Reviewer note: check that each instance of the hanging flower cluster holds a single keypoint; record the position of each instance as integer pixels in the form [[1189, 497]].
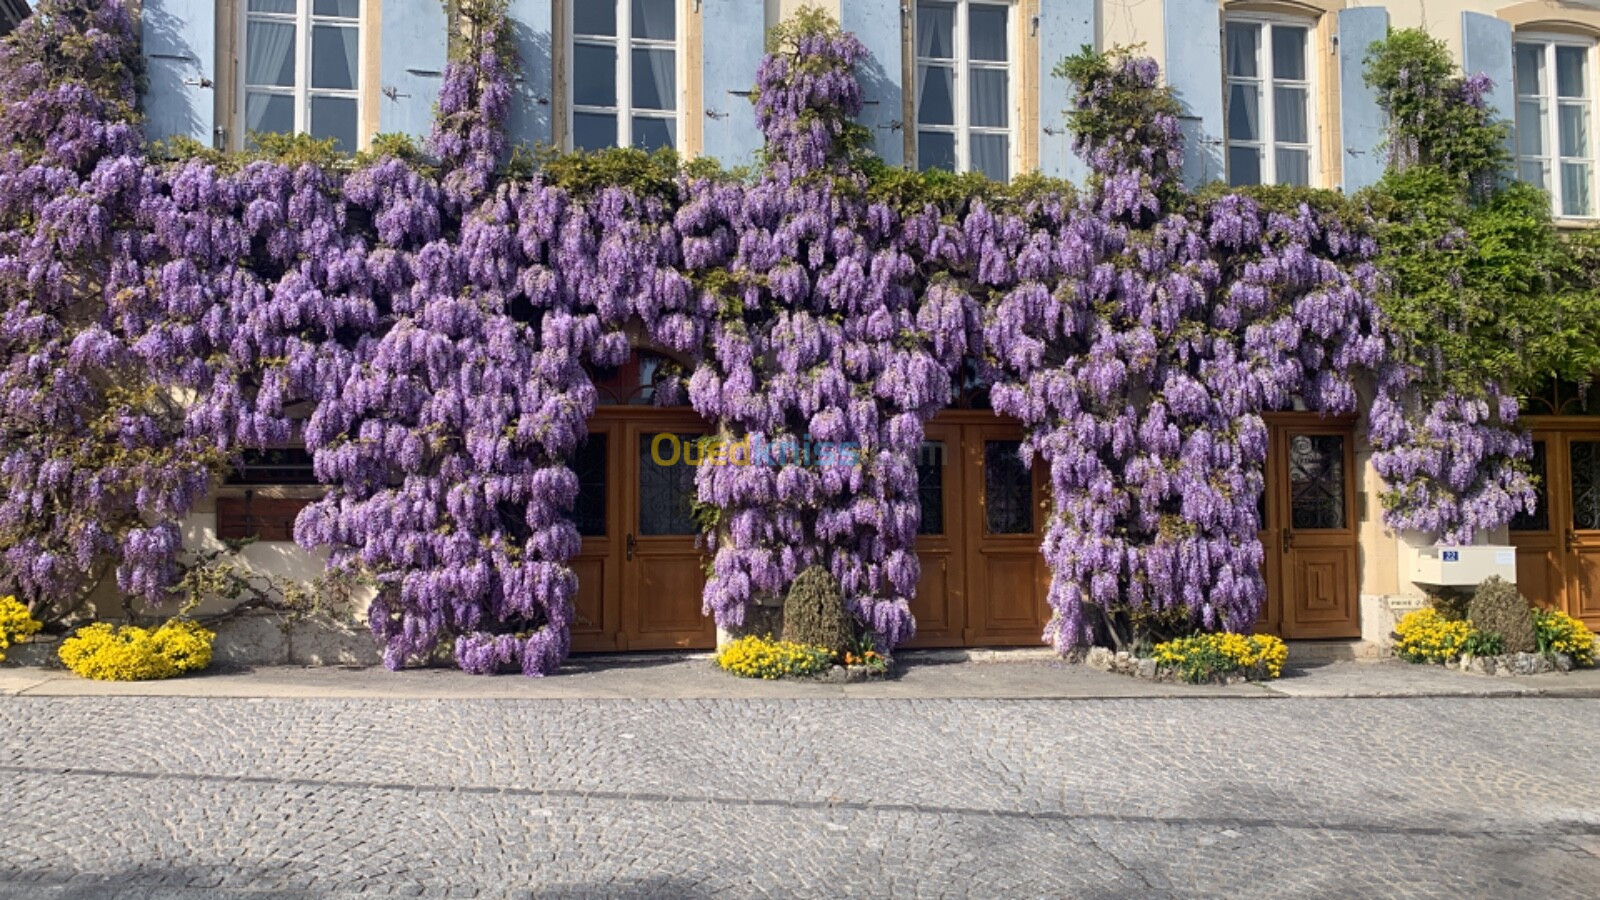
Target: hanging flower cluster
[[439, 325], [94, 470], [829, 337]]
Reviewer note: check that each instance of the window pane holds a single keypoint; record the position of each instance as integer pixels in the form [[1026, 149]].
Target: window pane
[[594, 75], [987, 38], [335, 117], [269, 54], [1574, 129], [650, 133], [269, 113], [1530, 69], [1244, 113], [991, 155], [333, 57], [936, 24], [936, 150], [1536, 173], [936, 96], [1007, 489], [1530, 127], [272, 6], [343, 9], [1244, 165], [655, 79], [594, 131], [594, 17], [1576, 187], [653, 20], [1289, 115], [1572, 64], [988, 98], [1243, 42], [1289, 53], [1294, 167]]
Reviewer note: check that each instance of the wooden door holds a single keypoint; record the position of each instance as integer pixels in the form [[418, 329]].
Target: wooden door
[[940, 603], [1314, 470], [1558, 544], [1582, 542], [598, 514], [1540, 536], [1007, 580], [663, 579]]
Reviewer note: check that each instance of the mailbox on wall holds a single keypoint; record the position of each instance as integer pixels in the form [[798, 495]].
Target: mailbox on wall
[[1464, 566]]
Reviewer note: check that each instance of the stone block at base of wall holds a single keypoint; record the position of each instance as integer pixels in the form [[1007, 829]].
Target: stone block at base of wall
[[254, 640]]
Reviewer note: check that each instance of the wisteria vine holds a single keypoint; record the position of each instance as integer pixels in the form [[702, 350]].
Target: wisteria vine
[[428, 329]]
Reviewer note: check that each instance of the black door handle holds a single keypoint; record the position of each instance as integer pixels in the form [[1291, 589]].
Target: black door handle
[[630, 546], [1288, 540]]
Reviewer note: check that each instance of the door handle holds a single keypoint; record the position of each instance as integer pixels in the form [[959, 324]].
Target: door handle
[[1572, 541], [1288, 540], [630, 544]]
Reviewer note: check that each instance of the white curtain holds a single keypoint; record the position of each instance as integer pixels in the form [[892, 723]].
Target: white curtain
[[269, 54]]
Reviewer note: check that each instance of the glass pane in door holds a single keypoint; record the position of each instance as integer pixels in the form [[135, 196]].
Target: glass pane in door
[[1007, 489], [1585, 458], [1539, 519], [930, 487], [666, 483], [1316, 481], [589, 464]]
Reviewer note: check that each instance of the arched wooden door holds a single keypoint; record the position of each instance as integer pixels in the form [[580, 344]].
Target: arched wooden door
[[984, 580], [640, 574], [1558, 544]]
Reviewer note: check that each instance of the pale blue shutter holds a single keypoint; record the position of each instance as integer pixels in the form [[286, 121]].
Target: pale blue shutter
[[1193, 30], [533, 100], [1065, 26], [877, 24], [179, 43], [733, 35], [1487, 48], [1361, 122], [413, 52]]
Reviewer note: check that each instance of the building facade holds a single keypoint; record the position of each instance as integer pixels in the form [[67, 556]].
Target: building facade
[[1273, 94]]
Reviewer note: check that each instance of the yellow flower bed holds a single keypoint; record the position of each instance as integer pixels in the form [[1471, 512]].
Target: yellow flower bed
[[1426, 636], [128, 653], [763, 657], [1202, 657], [1558, 632], [15, 622]]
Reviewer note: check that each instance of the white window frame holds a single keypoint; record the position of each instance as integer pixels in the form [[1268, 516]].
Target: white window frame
[[303, 20], [626, 43], [961, 63], [1267, 80], [1550, 122]]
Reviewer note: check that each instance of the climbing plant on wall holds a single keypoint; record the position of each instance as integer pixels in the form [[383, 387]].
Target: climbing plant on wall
[[426, 320]]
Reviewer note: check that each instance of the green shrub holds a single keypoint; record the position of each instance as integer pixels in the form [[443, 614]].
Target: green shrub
[[1496, 608], [813, 613]]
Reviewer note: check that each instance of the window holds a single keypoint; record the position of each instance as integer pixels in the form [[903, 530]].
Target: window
[[624, 65], [1269, 100], [302, 64], [964, 129], [1555, 121]]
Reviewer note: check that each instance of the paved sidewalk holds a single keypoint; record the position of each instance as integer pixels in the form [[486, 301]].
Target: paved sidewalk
[[1021, 675]]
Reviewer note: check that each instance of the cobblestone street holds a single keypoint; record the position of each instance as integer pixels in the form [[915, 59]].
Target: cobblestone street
[[202, 798]]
